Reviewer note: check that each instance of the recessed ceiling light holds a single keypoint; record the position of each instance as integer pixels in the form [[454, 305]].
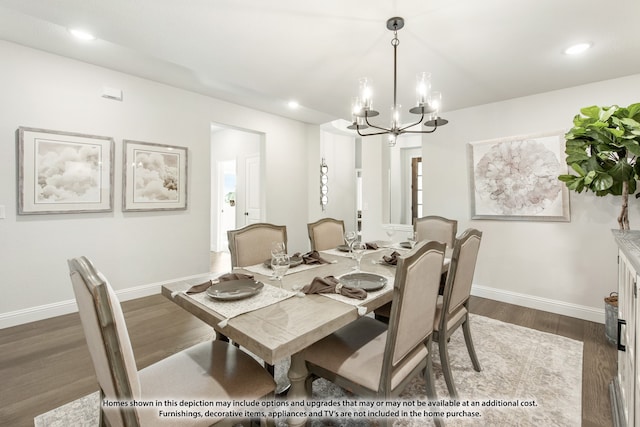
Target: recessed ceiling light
[[293, 104], [81, 34], [577, 49]]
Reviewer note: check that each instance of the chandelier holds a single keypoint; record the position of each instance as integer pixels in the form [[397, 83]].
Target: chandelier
[[427, 106]]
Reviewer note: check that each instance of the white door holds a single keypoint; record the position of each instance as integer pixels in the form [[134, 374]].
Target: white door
[[252, 205]]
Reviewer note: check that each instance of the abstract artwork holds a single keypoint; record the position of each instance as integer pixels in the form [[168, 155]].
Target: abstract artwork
[[64, 172], [516, 178], [155, 177]]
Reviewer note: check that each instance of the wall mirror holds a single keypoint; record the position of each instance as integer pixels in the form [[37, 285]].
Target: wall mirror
[[403, 192]]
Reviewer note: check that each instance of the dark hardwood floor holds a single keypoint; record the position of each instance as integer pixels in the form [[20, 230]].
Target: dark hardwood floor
[[46, 364]]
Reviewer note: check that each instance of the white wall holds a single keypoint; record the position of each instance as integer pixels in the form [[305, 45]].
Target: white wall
[[133, 249], [557, 266]]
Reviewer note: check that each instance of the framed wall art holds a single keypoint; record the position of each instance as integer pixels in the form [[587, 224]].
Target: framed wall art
[[155, 177], [63, 172], [516, 178]]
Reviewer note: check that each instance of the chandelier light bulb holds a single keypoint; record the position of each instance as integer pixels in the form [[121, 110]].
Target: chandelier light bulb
[[423, 88], [366, 93], [395, 116], [436, 101]]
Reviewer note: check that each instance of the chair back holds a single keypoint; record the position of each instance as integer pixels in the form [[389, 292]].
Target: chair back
[[326, 233], [415, 295], [108, 340], [436, 228], [460, 278], [251, 245]]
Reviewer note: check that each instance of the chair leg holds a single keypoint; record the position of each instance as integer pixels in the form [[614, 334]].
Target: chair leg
[[430, 383], [446, 365], [466, 329]]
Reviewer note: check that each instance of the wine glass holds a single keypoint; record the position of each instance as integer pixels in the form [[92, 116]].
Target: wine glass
[[277, 248], [280, 264], [358, 251], [350, 237], [413, 239], [390, 232]]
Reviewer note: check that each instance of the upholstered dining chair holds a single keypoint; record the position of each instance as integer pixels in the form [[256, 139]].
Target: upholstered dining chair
[[371, 358], [212, 370], [326, 233], [453, 308], [251, 244], [436, 228]]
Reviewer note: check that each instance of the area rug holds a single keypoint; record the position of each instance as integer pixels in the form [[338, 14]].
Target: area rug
[[528, 378]]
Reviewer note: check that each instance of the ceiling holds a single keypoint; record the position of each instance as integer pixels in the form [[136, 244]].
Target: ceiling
[[262, 54]]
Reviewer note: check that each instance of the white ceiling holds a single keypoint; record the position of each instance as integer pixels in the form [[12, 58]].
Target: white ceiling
[[262, 53]]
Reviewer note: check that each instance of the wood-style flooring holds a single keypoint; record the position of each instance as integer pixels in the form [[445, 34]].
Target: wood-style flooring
[[46, 364]]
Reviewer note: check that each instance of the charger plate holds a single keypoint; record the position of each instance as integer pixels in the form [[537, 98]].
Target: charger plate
[[366, 281], [234, 289]]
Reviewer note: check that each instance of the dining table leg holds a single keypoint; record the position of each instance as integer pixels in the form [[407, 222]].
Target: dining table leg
[[297, 376]]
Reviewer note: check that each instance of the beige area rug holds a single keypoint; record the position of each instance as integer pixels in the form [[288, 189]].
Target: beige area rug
[[519, 365]]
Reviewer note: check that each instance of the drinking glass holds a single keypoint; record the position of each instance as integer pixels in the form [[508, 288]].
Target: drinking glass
[[350, 237], [358, 251], [280, 264], [413, 239]]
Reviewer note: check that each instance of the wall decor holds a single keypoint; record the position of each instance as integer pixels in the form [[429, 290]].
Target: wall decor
[[324, 188], [516, 178], [63, 172], [155, 177]]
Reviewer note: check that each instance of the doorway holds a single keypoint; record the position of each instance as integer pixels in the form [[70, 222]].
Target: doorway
[[236, 182]]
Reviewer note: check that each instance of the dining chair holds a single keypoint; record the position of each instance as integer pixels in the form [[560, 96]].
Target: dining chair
[[212, 370], [251, 244], [326, 233], [373, 359], [453, 308], [436, 228]]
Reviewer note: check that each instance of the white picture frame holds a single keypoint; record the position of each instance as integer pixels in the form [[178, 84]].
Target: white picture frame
[[516, 178], [154, 177], [63, 172]]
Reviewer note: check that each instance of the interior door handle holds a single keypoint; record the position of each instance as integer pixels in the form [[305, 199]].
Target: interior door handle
[[620, 323]]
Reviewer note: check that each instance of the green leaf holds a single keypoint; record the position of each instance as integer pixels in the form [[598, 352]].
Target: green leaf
[[602, 181], [631, 123], [574, 158], [632, 145], [588, 179], [576, 167], [634, 111], [592, 112], [621, 171], [567, 178]]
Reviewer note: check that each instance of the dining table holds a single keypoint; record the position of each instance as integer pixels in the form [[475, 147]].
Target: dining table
[[281, 321]]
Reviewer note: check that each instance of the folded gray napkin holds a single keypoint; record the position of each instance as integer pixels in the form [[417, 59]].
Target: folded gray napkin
[[371, 245], [329, 285], [312, 257], [392, 258], [195, 289]]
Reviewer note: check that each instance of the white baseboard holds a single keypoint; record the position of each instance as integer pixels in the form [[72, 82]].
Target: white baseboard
[[545, 304], [33, 314]]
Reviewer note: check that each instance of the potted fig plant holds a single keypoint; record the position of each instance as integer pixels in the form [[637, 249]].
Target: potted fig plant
[[602, 149]]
